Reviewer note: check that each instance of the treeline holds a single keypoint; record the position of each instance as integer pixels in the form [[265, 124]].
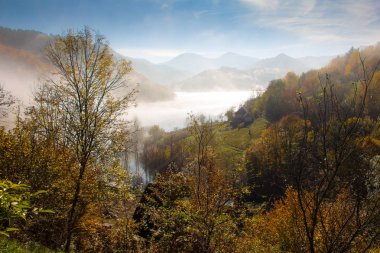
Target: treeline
[[32, 41], [344, 73]]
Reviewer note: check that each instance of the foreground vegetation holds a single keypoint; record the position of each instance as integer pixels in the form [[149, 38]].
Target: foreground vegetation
[[295, 170], [13, 246]]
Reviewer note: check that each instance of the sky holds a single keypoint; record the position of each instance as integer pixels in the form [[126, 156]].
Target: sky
[[158, 30]]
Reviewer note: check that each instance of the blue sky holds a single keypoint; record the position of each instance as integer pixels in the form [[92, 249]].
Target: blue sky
[[161, 29]]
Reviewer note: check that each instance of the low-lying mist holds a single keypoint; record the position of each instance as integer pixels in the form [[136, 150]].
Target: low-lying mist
[[173, 113]]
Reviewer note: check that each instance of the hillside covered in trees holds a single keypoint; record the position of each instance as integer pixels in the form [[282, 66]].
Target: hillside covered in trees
[[295, 169], [300, 162]]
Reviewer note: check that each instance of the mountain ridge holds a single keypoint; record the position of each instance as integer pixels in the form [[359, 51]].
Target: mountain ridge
[[187, 71]]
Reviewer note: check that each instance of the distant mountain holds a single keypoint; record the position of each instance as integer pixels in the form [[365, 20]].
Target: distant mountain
[[230, 79], [22, 63], [189, 62], [281, 61], [157, 73], [236, 61], [32, 41], [257, 77], [148, 91], [287, 63], [161, 74], [194, 63]]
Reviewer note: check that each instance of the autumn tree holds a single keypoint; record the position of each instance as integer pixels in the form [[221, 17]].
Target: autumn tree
[[29, 160], [162, 149], [324, 159], [194, 207], [213, 193], [6, 101], [267, 160], [333, 164], [78, 108]]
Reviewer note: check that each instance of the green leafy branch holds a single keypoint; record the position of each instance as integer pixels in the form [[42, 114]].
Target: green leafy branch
[[15, 205]]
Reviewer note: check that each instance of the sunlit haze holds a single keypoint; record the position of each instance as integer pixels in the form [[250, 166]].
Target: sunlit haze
[[173, 114], [161, 29], [203, 55]]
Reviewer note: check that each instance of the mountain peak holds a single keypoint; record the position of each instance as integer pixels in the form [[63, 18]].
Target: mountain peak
[[188, 55], [283, 56]]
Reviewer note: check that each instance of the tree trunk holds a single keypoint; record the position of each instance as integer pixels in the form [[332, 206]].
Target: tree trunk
[[71, 216]]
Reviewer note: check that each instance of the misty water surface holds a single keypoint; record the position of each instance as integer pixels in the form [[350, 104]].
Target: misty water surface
[[172, 114]]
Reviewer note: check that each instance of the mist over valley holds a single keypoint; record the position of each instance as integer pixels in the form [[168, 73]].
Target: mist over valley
[[167, 91]]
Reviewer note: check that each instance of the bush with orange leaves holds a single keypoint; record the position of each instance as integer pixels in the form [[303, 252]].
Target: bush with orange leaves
[[281, 229]]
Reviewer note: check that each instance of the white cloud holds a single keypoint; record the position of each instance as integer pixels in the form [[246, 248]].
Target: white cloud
[[198, 14], [166, 5], [264, 4], [322, 21]]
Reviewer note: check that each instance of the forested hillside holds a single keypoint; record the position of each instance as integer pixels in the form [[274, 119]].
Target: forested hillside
[[295, 169]]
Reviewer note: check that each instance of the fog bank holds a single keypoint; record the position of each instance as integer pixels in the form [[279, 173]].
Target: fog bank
[[172, 114]]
